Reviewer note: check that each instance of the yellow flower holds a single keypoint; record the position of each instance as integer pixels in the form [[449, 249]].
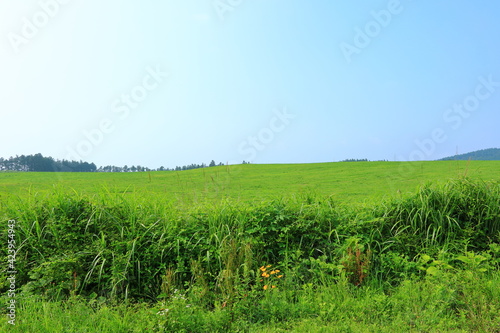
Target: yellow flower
[[273, 286], [263, 269], [273, 272], [265, 275], [265, 287], [280, 276], [268, 266]]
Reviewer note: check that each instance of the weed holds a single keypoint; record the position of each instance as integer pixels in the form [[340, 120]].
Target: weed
[[356, 262]]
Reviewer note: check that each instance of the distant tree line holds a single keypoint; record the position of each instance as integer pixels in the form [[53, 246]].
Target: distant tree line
[[355, 160], [139, 168], [39, 163], [362, 160]]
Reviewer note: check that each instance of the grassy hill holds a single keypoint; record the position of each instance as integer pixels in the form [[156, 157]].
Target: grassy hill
[[353, 181], [491, 154], [165, 252]]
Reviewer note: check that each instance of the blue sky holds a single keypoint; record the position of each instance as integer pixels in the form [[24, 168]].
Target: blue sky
[[285, 81]]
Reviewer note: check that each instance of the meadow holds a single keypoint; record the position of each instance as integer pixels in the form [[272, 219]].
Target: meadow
[[333, 247], [344, 181]]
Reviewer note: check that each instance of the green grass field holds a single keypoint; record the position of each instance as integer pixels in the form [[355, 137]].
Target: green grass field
[[348, 181], [334, 247]]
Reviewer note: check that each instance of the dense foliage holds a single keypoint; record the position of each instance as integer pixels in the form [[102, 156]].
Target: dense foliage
[[108, 248], [40, 163], [118, 248]]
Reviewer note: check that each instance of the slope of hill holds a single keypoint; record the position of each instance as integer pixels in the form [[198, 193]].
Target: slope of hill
[[349, 181], [491, 154]]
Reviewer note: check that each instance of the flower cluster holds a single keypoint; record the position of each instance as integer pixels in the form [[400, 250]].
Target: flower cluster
[[269, 275], [176, 297]]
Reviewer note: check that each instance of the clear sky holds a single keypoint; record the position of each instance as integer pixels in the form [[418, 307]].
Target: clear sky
[[175, 82]]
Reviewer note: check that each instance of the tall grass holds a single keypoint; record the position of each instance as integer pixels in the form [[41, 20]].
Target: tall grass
[[109, 248], [460, 210], [448, 302], [120, 247]]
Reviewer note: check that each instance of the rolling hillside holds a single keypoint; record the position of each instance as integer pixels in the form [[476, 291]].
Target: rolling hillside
[[491, 154], [349, 181]]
